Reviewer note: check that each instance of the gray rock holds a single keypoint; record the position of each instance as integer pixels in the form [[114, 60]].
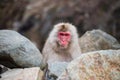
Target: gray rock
[[33, 73], [97, 40], [98, 65], [3, 69], [18, 49], [57, 68]]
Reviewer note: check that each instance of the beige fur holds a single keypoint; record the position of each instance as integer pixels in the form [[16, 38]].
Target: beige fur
[[51, 51]]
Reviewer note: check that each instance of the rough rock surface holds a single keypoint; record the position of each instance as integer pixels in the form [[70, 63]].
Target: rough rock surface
[[3, 69], [56, 68], [23, 74], [98, 65], [18, 49], [97, 40]]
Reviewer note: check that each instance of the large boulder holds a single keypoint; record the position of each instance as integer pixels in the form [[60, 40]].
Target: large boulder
[[97, 40], [98, 65], [18, 50], [23, 74]]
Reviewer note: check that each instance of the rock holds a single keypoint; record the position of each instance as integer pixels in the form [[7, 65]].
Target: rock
[[97, 40], [98, 65], [56, 69], [23, 74], [3, 69], [18, 50]]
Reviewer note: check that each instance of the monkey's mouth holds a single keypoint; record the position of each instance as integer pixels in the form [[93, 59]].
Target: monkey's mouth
[[63, 44]]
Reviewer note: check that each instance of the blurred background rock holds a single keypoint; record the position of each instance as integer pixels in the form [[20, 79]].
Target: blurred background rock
[[35, 18]]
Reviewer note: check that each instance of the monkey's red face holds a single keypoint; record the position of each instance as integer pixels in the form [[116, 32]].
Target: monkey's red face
[[64, 38]]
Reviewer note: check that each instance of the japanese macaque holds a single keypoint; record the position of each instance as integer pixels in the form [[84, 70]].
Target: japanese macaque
[[62, 44]]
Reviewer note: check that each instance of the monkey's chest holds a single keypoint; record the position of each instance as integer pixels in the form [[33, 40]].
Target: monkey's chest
[[64, 56]]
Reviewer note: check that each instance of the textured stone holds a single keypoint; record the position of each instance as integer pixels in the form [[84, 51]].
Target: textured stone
[[18, 49], [57, 68], [23, 74], [97, 40], [98, 65], [3, 69]]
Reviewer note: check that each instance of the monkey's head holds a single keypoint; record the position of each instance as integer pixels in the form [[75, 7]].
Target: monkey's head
[[64, 34]]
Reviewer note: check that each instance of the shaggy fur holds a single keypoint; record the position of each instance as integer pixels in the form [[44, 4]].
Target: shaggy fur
[[53, 52]]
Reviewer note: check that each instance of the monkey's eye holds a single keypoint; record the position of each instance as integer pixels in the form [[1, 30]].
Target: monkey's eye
[[62, 34], [67, 34]]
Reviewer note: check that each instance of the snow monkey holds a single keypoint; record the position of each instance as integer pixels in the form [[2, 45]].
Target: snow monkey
[[62, 44]]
